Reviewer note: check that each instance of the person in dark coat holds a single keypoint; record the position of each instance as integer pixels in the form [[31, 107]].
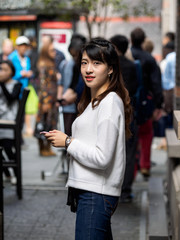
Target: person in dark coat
[[128, 71], [151, 76]]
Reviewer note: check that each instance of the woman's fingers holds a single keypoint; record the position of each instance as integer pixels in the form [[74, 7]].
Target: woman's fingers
[[54, 143], [54, 131], [56, 137], [50, 138]]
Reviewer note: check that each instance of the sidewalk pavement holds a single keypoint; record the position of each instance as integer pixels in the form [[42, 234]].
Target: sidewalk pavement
[[43, 214]]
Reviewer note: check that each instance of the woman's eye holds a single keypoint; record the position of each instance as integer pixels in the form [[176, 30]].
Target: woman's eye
[[96, 63], [83, 63]]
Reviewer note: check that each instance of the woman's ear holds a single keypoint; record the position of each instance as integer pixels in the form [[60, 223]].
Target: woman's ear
[[110, 70]]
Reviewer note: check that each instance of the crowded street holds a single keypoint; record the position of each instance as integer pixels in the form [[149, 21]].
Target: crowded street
[[43, 214], [89, 120]]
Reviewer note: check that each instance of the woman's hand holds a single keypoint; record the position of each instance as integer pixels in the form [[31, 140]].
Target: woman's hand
[[57, 138], [70, 96]]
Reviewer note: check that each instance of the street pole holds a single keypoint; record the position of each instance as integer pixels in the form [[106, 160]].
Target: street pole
[[177, 88]]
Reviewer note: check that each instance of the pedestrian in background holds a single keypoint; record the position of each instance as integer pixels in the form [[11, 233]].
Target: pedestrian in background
[[152, 83], [167, 66], [46, 40], [7, 48], [70, 88], [9, 100], [33, 54], [77, 83], [47, 109], [168, 37], [21, 62], [128, 70], [168, 84], [168, 81], [97, 146], [22, 65], [148, 45], [70, 76], [158, 125], [31, 107]]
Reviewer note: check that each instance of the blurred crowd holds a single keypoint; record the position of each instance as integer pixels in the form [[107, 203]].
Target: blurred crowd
[[56, 86]]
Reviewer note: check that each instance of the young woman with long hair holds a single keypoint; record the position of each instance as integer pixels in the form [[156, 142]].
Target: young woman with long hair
[[97, 145]]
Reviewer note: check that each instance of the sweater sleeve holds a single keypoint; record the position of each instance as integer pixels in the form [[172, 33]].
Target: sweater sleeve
[[100, 155]]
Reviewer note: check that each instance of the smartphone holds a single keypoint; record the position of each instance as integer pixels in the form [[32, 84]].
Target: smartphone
[[43, 132]]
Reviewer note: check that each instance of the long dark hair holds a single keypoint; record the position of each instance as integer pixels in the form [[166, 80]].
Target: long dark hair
[[104, 51]]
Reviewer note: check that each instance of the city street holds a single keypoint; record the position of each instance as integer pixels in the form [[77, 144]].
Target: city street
[[51, 48], [43, 214]]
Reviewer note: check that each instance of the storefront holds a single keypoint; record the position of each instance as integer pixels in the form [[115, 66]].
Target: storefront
[[12, 26], [21, 22], [60, 31]]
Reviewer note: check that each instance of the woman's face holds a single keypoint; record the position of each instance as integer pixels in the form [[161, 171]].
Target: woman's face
[[52, 51], [5, 72], [95, 75]]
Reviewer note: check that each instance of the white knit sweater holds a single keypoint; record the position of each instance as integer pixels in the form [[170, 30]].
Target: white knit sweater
[[97, 161]]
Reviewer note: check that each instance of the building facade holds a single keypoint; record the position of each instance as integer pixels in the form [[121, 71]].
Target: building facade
[[19, 17]]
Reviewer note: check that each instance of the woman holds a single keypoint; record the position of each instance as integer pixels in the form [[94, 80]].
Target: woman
[[9, 99], [97, 146], [47, 109]]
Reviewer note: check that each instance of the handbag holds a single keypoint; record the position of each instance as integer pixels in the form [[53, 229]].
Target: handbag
[[32, 101], [72, 199]]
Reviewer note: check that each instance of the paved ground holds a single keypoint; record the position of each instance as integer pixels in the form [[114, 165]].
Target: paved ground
[[43, 214]]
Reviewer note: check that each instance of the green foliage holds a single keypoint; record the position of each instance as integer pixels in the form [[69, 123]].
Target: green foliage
[[49, 4], [143, 8], [91, 5], [98, 8], [84, 4]]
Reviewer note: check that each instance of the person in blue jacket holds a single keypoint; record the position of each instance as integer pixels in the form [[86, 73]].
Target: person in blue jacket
[[21, 62]]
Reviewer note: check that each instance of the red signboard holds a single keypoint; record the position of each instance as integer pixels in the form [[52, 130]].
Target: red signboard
[[56, 25], [60, 38], [7, 18]]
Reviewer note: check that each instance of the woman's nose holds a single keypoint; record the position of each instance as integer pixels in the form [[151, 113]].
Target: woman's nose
[[89, 68]]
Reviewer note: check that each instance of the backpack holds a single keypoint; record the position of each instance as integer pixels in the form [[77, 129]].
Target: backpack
[[144, 105]]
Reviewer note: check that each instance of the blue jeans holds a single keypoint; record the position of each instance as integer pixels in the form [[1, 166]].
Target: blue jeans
[[93, 220]]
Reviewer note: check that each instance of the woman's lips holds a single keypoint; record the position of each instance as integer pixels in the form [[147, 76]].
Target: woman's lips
[[89, 78]]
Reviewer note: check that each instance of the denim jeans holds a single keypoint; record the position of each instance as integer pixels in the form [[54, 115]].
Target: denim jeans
[[94, 211]]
